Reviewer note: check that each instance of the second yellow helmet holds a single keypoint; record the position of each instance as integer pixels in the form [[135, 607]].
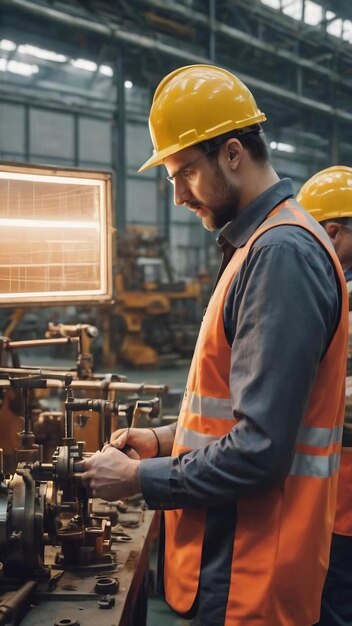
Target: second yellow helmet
[[328, 194]]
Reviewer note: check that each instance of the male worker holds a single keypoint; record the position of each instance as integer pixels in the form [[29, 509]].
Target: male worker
[[328, 197], [248, 480]]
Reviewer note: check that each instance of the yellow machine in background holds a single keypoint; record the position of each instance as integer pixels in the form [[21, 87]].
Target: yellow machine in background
[[155, 319]]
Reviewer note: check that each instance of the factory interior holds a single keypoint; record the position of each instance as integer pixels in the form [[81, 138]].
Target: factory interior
[[100, 308]]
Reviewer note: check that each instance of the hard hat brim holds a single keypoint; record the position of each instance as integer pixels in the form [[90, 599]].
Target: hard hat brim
[[158, 157]]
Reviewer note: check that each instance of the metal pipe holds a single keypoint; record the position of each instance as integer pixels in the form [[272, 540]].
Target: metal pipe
[[99, 385], [10, 606], [38, 343]]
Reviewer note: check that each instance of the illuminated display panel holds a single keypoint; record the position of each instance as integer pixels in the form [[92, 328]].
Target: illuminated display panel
[[55, 236]]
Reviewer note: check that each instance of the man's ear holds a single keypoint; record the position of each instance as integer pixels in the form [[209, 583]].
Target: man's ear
[[234, 152], [333, 229]]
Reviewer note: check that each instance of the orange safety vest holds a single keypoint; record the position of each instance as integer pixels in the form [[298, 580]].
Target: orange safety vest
[[343, 519], [282, 538]]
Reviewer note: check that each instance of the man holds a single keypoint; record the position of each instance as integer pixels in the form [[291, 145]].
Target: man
[[328, 197], [248, 480]]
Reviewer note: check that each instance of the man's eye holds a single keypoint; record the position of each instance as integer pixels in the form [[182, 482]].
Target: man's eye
[[188, 175]]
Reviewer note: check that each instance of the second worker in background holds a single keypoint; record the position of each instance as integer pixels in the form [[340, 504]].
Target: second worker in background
[[328, 197]]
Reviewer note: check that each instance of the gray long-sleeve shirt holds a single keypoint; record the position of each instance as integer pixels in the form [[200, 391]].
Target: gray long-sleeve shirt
[[279, 318]]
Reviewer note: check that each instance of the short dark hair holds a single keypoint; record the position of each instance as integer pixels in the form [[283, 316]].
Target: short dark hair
[[252, 138]]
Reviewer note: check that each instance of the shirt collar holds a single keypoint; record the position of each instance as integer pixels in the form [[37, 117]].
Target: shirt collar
[[239, 230]]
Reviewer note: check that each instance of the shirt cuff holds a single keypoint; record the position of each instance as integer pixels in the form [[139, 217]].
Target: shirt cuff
[[154, 478]]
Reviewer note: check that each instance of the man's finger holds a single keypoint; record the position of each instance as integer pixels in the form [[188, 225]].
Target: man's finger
[[86, 476], [121, 440]]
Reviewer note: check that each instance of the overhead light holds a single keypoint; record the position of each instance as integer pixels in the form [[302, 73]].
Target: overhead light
[[84, 64], [24, 69], [293, 8], [282, 147], [6, 44], [128, 84], [274, 4], [106, 70], [347, 31], [313, 13], [334, 26], [41, 53]]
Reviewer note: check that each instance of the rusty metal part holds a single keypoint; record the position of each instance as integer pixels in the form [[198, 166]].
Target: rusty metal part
[[71, 330], [150, 408], [39, 343], [106, 585], [98, 385], [11, 605], [53, 580], [71, 542], [106, 602], [121, 538], [25, 524], [94, 537]]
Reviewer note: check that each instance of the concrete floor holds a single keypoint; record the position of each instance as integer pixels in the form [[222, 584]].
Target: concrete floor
[[160, 615]]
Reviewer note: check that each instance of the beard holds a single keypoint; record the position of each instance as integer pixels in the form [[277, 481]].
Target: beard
[[224, 204]]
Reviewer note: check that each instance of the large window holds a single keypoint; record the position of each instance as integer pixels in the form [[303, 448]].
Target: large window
[[55, 235]]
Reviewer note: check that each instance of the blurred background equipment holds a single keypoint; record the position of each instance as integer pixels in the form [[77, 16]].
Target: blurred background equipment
[[54, 538], [155, 318]]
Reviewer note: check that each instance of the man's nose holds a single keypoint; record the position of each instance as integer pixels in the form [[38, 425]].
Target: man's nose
[[181, 191]]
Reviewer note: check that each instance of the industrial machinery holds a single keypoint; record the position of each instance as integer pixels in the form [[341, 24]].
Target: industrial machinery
[[42, 401], [57, 544], [49, 526], [47, 424], [155, 318]]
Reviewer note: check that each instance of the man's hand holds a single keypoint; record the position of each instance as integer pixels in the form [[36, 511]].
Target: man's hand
[[111, 475], [142, 440]]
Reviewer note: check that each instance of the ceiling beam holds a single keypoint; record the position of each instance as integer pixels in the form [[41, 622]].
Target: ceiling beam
[[150, 43]]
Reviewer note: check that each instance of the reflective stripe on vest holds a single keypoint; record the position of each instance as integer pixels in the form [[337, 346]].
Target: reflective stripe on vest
[[192, 440], [316, 466], [208, 407]]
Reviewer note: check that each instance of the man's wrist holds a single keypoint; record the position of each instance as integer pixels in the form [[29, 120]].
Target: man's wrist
[[133, 478], [157, 452], [165, 436]]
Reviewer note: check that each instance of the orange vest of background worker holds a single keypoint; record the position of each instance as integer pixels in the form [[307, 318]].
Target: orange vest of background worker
[[328, 197], [265, 586]]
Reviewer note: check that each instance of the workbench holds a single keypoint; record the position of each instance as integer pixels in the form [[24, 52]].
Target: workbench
[[74, 601]]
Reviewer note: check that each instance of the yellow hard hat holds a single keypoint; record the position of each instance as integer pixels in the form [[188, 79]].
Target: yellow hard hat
[[195, 103], [328, 194]]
